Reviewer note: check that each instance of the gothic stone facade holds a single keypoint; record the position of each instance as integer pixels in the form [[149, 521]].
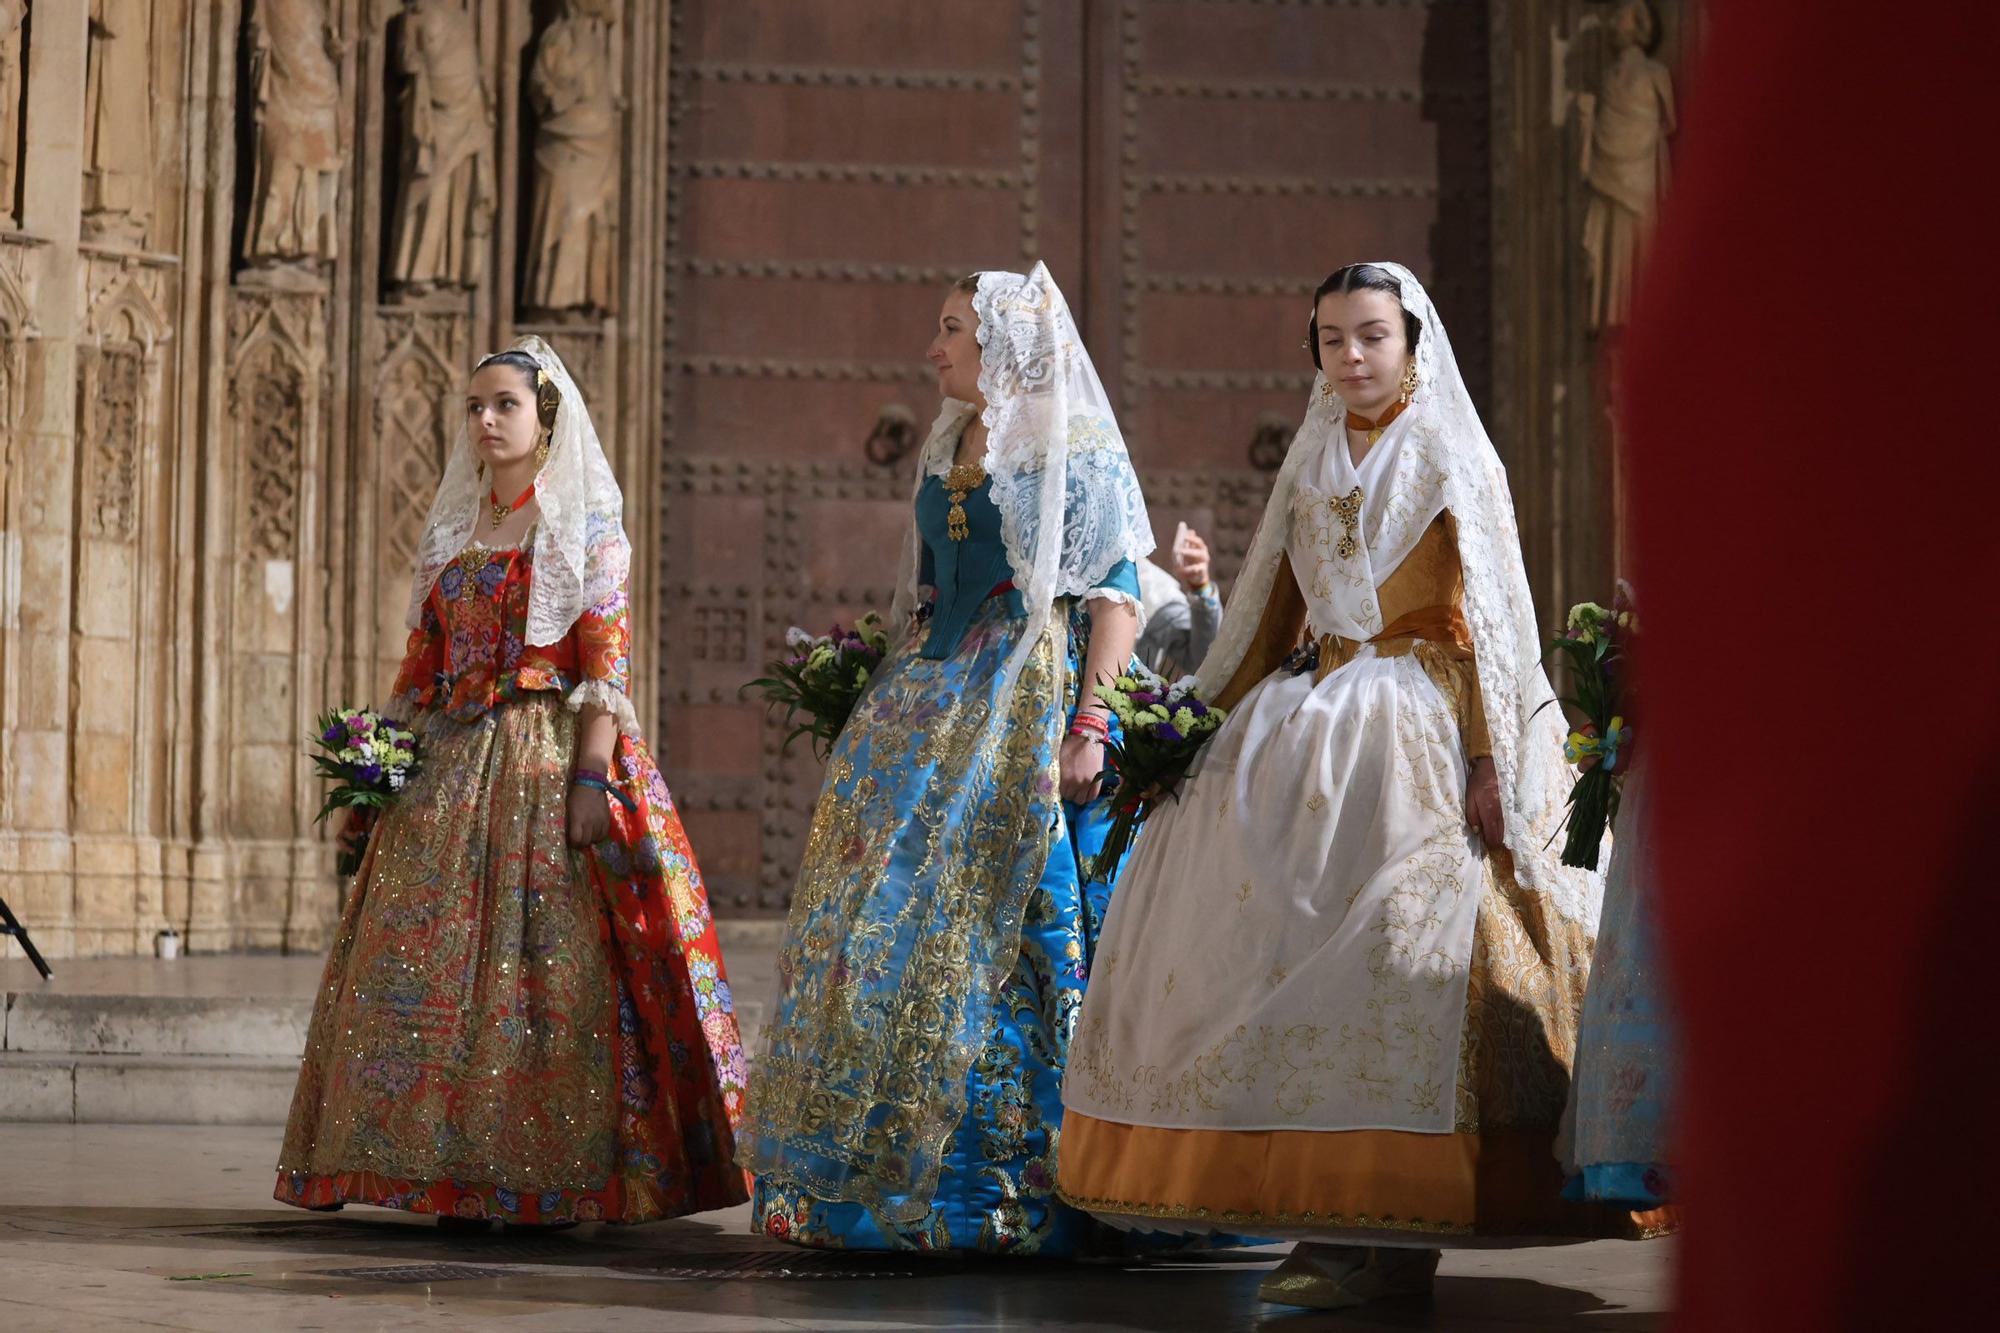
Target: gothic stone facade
[[249, 249]]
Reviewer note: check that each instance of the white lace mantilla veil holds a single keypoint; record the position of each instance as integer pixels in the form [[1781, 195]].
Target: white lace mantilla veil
[[1070, 505], [1443, 461], [582, 555]]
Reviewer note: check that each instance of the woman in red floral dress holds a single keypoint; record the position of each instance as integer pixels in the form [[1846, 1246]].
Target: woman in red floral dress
[[524, 1015]]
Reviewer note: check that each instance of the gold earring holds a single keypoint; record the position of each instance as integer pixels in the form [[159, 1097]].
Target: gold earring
[[1410, 382], [542, 451]]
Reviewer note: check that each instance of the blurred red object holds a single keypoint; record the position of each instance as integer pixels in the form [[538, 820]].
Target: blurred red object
[[1811, 444]]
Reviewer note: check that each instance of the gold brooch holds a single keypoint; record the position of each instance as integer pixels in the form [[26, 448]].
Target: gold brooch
[[1348, 510], [961, 481]]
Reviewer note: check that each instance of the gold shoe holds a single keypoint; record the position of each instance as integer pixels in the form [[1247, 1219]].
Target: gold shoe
[[1340, 1277]]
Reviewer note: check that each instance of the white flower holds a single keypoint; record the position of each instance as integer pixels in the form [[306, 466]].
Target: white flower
[[797, 638]]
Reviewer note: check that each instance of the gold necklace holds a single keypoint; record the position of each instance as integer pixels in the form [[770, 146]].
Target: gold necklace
[[1373, 429], [961, 481], [500, 511]]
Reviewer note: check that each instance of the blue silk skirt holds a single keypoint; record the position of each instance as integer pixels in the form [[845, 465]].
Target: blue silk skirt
[[940, 802]]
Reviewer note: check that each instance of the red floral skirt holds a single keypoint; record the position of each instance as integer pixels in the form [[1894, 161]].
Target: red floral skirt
[[509, 1028]]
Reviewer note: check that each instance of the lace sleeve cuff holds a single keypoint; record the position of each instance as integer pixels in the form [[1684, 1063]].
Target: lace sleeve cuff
[[1111, 594], [611, 699]]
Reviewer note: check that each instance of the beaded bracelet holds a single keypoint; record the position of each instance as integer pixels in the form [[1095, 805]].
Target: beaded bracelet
[[596, 781], [1089, 724]]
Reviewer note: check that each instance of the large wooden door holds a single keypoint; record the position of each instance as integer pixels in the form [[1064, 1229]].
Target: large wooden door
[[1188, 168], [1242, 151]]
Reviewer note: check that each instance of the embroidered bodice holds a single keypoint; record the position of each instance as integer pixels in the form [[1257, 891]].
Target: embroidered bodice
[[965, 572], [469, 652]]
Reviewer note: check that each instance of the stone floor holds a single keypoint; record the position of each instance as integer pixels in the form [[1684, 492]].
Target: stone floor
[[172, 1227]]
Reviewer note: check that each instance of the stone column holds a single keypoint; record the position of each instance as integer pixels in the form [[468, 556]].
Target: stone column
[[36, 871]]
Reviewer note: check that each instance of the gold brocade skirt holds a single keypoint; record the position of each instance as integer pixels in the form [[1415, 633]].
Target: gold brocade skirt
[[510, 1028]]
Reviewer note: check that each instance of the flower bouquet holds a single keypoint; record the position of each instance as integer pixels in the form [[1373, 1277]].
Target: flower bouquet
[[1164, 727], [823, 677], [1593, 645], [369, 759]]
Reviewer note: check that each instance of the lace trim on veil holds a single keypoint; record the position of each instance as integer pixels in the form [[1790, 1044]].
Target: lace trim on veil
[[1499, 608]]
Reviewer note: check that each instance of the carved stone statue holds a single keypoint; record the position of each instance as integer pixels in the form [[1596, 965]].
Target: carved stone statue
[[445, 196], [11, 14], [571, 231], [1625, 132], [295, 89], [118, 121]]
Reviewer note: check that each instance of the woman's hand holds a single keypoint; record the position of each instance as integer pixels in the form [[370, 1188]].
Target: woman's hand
[[589, 816], [1190, 560], [1482, 803], [1082, 769], [356, 826]]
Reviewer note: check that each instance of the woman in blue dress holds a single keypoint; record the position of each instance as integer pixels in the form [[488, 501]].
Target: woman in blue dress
[[909, 1091], [1613, 1142]]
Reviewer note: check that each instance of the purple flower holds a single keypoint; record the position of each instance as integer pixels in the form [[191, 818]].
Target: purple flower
[[1167, 731], [370, 773], [1196, 706], [331, 734], [491, 575], [1144, 697], [451, 581]]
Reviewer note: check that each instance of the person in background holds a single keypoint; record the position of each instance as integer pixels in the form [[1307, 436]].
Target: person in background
[[1183, 607]]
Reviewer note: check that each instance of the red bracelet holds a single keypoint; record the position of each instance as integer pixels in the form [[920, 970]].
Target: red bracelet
[[1088, 724]]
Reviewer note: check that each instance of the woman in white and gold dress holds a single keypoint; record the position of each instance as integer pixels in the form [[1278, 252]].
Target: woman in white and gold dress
[[1337, 994]]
